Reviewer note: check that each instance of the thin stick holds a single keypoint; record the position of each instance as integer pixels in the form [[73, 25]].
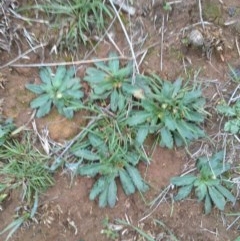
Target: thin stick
[[57, 64], [126, 35], [161, 57], [200, 13], [236, 41]]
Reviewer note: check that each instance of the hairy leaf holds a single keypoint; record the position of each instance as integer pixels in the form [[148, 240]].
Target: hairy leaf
[[201, 191], [166, 138], [86, 154], [90, 170], [98, 187], [136, 178], [103, 198], [127, 183], [44, 109], [112, 193]]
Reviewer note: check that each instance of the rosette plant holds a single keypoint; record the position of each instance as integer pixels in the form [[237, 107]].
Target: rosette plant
[[208, 183], [171, 111], [107, 153], [60, 89]]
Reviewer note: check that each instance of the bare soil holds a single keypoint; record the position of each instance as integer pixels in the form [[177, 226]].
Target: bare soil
[[65, 211]]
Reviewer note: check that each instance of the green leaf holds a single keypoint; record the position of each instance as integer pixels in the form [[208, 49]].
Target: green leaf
[[112, 193], [39, 101], [184, 180], [114, 100], [226, 110], [142, 134], [102, 88], [103, 198], [95, 140], [224, 191], [94, 76], [207, 204], [183, 192], [46, 74], [121, 101], [166, 138], [86, 154], [138, 118], [59, 76], [170, 122], [44, 109], [176, 87], [232, 126], [126, 182], [136, 178], [91, 170], [37, 89], [98, 187], [201, 191], [217, 198]]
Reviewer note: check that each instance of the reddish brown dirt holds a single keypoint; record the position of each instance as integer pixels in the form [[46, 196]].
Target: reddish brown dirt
[[65, 212]]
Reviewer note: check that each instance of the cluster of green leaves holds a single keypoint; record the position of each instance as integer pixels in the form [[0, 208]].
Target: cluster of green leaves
[[208, 183], [172, 111], [6, 127], [107, 153], [110, 81], [78, 20], [233, 113], [61, 89]]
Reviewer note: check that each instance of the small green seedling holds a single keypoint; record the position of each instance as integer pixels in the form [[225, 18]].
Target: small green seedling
[[232, 125], [109, 80], [109, 153], [172, 111], [208, 183], [61, 89]]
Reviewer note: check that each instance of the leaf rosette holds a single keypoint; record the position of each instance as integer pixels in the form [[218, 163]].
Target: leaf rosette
[[61, 90], [171, 111], [208, 184]]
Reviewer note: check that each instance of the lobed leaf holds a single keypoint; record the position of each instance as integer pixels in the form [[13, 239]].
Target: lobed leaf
[[59, 76], [183, 192], [86, 154], [37, 89], [44, 109], [98, 187], [166, 138], [103, 198], [142, 134], [90, 170], [46, 74], [126, 182], [40, 101], [136, 178], [112, 193]]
